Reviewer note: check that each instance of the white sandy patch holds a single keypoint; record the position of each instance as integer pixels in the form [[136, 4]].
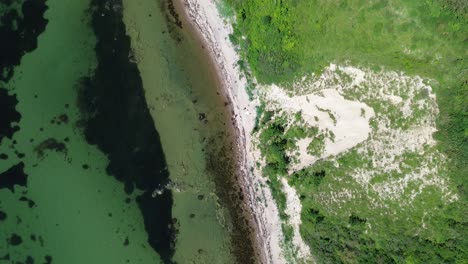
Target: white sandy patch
[[350, 124], [341, 100], [293, 210], [404, 124]]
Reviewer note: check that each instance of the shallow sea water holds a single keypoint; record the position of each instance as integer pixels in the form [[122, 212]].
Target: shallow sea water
[[189, 112], [71, 210], [80, 214]]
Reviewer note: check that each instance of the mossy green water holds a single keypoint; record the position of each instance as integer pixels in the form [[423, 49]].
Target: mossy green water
[[72, 210], [80, 213]]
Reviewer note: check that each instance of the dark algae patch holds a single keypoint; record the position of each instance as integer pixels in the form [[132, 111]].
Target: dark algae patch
[[5, 257], [25, 199], [29, 260], [221, 162], [50, 144], [21, 22], [9, 115], [172, 19], [119, 123], [13, 176], [19, 30], [15, 240], [3, 215], [173, 12]]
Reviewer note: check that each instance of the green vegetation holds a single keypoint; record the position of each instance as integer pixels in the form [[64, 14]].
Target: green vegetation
[[317, 146], [352, 226], [330, 114], [288, 39], [224, 9], [273, 147], [277, 138], [270, 47]]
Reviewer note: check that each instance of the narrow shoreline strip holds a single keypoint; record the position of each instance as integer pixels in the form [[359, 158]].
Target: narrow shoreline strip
[[214, 32]]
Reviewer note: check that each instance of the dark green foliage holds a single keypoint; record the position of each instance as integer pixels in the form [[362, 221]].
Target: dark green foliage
[[335, 243], [273, 147], [355, 220], [276, 190], [271, 41], [308, 177], [259, 112]]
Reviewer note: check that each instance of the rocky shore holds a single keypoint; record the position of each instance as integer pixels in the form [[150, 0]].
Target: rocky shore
[[214, 32]]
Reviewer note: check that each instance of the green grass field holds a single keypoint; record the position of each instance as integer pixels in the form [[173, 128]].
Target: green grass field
[[286, 40]]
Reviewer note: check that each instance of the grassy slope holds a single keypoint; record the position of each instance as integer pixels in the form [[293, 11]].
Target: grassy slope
[[287, 39]]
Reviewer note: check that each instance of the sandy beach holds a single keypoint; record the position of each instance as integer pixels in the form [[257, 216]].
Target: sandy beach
[[214, 32]]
